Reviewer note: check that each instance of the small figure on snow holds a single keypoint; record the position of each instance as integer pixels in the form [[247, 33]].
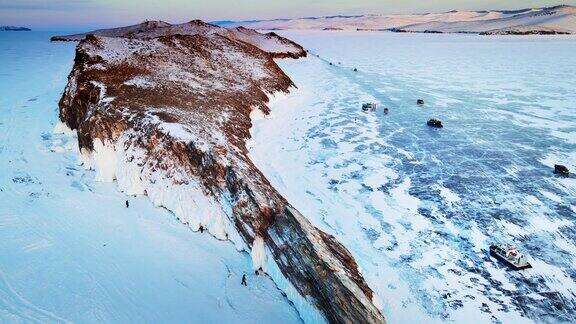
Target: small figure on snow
[[127, 204], [244, 280], [201, 229]]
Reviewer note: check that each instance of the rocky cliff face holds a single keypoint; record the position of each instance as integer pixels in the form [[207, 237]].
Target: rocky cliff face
[[168, 116]]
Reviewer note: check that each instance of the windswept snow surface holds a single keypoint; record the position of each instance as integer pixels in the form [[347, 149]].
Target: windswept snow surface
[[416, 206], [70, 251]]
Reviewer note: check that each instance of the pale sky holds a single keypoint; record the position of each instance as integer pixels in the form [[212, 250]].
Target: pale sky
[[87, 14]]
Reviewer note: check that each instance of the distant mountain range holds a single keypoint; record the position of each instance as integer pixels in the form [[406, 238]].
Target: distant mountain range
[[549, 20], [14, 28]]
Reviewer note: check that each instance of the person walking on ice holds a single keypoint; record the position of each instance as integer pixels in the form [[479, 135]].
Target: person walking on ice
[[127, 204], [244, 280]]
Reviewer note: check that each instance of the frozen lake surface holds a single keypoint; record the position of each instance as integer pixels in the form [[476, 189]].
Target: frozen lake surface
[[70, 251], [418, 207]]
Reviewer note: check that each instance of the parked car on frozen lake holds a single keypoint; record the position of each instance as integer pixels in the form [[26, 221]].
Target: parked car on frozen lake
[[510, 256]]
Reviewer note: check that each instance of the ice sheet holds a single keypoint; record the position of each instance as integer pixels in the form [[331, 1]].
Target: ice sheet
[[418, 207]]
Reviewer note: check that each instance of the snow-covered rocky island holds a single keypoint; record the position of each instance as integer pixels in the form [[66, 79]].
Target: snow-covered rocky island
[[165, 110]]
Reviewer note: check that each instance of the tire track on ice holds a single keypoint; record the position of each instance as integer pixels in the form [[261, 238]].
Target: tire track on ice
[[17, 305]]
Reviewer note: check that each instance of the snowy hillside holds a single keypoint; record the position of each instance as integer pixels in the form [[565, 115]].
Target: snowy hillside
[[559, 19], [271, 43]]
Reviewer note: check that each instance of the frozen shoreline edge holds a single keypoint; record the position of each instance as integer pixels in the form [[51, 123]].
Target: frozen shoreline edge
[[258, 116]]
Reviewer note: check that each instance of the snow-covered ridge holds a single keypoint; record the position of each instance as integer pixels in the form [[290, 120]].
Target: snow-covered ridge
[[549, 20], [147, 117], [270, 42]]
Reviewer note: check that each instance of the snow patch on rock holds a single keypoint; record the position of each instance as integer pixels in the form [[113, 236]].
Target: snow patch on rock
[[258, 253], [129, 175], [62, 128], [140, 82], [104, 155], [257, 114], [86, 159]]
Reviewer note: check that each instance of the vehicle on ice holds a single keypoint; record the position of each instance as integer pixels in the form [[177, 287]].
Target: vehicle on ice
[[369, 106], [561, 170], [510, 256], [434, 123]]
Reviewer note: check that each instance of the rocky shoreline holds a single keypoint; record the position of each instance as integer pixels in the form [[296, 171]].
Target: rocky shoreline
[[165, 111]]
